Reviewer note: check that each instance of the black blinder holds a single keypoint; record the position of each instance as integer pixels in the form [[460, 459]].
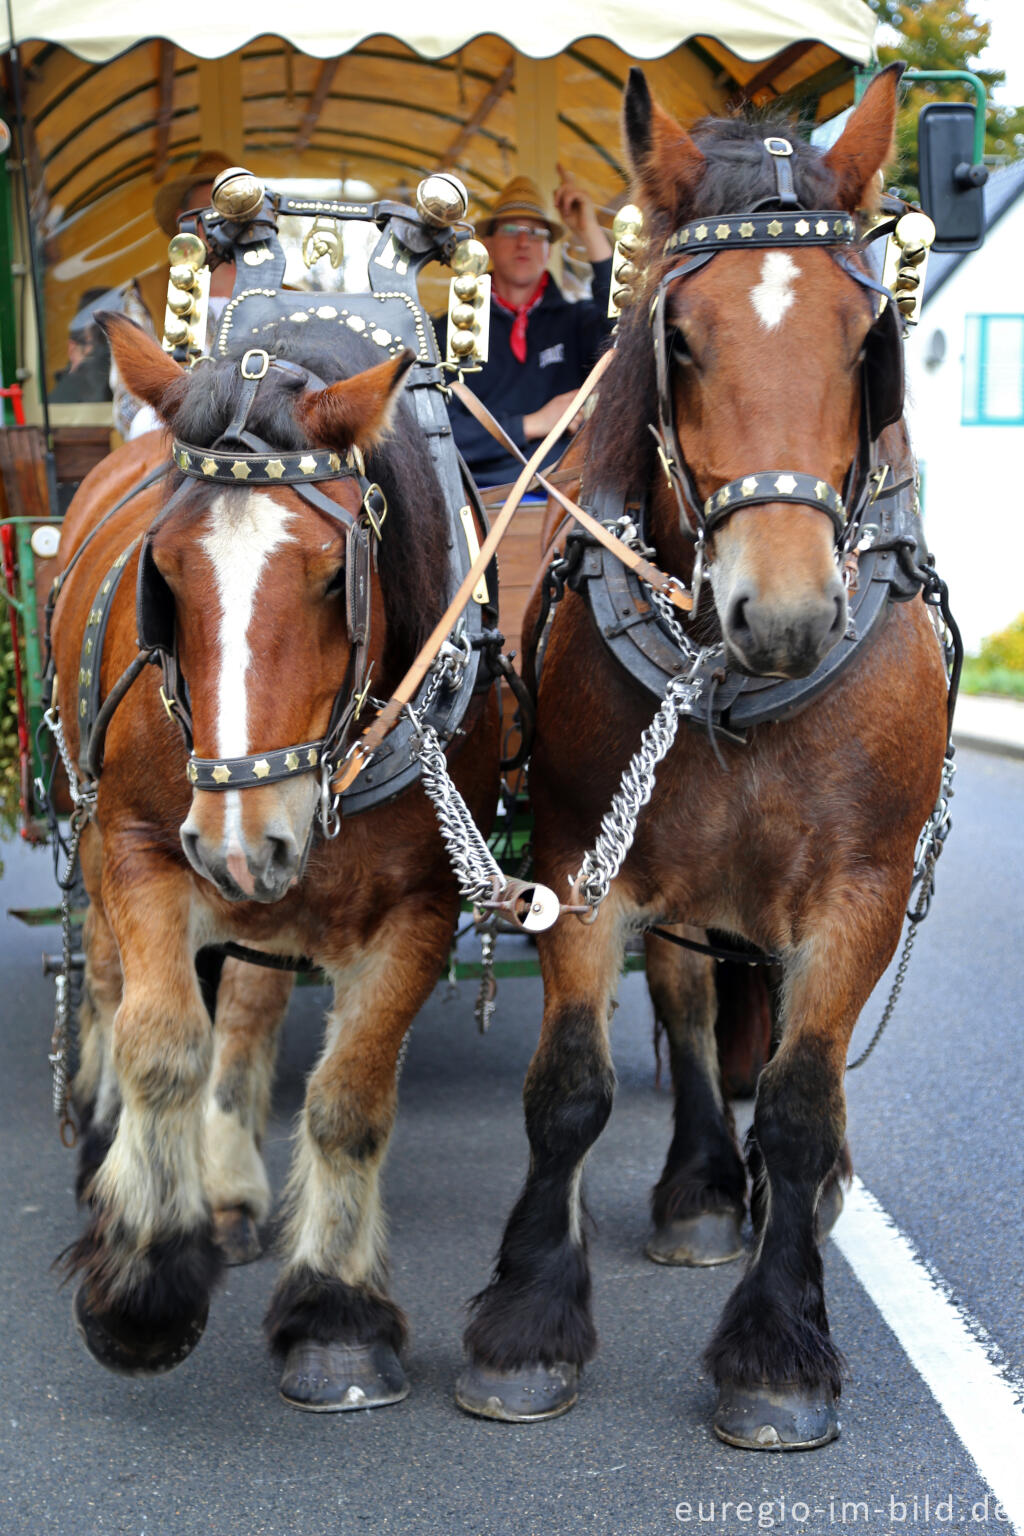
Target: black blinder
[[883, 370], [154, 605]]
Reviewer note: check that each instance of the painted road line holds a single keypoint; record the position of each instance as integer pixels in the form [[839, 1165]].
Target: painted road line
[[942, 1342]]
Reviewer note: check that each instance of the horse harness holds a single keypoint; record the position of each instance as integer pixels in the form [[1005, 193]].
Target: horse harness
[[239, 457], [878, 534]]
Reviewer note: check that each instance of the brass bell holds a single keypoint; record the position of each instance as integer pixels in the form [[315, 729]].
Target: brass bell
[[906, 303], [237, 194], [179, 301], [906, 277], [466, 287], [182, 277], [470, 256], [915, 229], [622, 298], [628, 221], [464, 317], [442, 199], [462, 343], [627, 273], [176, 332], [186, 251], [629, 244], [913, 255]]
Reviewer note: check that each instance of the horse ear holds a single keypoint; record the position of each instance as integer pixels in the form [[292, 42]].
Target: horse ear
[[866, 143], [357, 410], [148, 372], [665, 162]]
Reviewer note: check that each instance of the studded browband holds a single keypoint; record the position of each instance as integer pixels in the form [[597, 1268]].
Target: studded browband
[[771, 486], [259, 468], [826, 226]]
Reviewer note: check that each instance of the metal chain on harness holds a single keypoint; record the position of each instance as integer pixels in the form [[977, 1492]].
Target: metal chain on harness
[[618, 827], [83, 800], [930, 845]]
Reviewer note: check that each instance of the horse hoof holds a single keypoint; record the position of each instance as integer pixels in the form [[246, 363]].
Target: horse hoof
[[522, 1396], [236, 1236], [131, 1349], [714, 1237], [829, 1210], [338, 1378], [787, 1418]]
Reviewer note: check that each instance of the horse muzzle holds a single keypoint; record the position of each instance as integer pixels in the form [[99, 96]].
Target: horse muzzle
[[245, 866], [782, 637]]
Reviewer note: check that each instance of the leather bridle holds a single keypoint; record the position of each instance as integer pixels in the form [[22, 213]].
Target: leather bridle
[[239, 457], [786, 227]]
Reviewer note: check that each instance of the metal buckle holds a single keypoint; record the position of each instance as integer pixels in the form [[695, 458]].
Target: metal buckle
[[777, 146], [375, 516], [264, 363]]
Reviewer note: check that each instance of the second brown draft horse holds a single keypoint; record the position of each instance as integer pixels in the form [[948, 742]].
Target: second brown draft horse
[[800, 841]]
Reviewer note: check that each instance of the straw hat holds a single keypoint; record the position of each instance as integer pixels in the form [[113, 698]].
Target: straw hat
[[521, 198], [171, 195]]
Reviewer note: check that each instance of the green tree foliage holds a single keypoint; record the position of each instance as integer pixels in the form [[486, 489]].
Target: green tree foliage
[[943, 34]]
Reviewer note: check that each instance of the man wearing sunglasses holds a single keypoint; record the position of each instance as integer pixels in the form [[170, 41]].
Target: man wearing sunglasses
[[542, 346]]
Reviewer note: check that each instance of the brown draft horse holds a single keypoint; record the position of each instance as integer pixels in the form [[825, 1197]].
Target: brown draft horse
[[258, 582], [803, 845]]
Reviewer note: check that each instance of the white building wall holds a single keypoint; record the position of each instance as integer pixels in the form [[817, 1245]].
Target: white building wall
[[973, 476]]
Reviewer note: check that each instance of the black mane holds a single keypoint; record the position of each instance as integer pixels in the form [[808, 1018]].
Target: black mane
[[738, 175], [413, 552]]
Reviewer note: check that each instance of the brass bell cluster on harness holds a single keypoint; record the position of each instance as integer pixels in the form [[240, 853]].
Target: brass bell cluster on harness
[[469, 305], [627, 228], [188, 295], [906, 261]]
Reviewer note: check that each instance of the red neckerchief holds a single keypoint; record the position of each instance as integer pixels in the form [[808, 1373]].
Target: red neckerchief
[[517, 340]]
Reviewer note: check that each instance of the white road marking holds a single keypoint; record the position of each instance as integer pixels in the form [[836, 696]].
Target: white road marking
[[943, 1343], [774, 293]]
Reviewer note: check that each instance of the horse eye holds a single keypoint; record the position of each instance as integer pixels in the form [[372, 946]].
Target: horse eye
[[681, 353], [336, 583]]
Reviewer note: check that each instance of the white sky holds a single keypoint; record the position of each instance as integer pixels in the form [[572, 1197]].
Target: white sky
[[1006, 50]]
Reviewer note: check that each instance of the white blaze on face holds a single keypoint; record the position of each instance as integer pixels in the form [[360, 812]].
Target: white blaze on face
[[774, 293], [241, 535]]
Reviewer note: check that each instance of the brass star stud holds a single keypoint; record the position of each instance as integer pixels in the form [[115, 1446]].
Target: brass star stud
[[291, 762], [221, 774], [748, 485], [307, 464], [785, 485], [334, 462], [821, 228], [311, 757], [801, 227], [701, 232], [261, 768], [774, 228], [723, 496], [722, 232], [183, 460], [746, 230], [820, 489], [209, 466], [275, 469], [240, 471], [193, 773]]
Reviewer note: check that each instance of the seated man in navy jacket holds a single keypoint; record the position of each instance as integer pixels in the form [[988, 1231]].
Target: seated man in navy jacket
[[541, 346]]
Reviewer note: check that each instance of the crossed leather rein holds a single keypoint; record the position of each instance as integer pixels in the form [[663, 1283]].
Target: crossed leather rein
[[669, 586]]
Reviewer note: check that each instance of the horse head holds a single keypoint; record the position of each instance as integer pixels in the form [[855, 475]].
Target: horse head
[[253, 577], [760, 385]]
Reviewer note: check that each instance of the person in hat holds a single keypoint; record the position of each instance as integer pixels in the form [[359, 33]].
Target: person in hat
[[181, 195], [542, 346]]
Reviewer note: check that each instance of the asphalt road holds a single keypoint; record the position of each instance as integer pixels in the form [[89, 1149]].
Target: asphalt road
[[935, 1130]]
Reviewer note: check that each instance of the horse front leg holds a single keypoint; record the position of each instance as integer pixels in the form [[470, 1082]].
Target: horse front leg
[[331, 1318], [251, 1004], [699, 1203], [95, 1092], [778, 1371], [532, 1329], [146, 1261]]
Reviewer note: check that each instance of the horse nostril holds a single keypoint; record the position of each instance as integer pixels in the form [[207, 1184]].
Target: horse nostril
[[282, 856], [839, 621], [190, 843], [738, 623]]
